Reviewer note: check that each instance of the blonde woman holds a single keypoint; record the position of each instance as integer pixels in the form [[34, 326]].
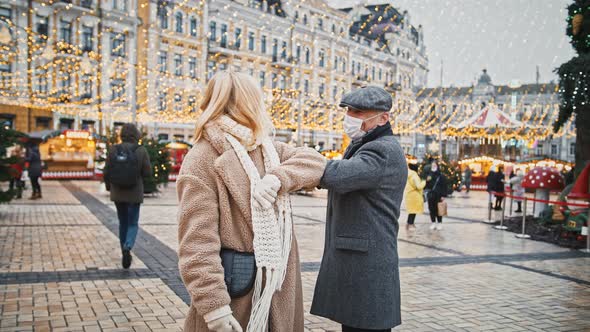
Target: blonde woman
[[233, 191]]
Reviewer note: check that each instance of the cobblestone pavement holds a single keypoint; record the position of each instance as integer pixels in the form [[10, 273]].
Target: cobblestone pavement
[[60, 269]]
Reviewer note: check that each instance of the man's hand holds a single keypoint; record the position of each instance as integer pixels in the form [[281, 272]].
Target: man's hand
[[266, 191]]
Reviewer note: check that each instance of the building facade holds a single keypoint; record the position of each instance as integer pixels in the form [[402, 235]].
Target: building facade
[[306, 55], [95, 64], [75, 69]]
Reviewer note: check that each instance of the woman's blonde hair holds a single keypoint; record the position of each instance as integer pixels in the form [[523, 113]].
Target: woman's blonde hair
[[238, 96]]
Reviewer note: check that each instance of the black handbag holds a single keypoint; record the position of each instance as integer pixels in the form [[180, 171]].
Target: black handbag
[[239, 270]]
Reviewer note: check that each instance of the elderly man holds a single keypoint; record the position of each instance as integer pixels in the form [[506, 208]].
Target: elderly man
[[358, 284]]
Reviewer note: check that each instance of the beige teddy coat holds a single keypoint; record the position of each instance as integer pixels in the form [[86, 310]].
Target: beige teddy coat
[[214, 212]]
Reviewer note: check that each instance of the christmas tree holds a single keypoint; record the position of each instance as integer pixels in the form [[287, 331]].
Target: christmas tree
[[160, 160], [8, 138], [450, 170], [574, 81]]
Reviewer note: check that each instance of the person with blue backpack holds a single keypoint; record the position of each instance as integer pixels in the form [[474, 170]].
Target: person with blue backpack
[[126, 166]]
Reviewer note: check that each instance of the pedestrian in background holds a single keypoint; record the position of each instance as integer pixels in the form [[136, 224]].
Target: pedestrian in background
[[498, 187], [17, 172], [414, 195], [35, 169], [467, 178], [490, 185], [126, 166], [517, 189], [436, 184]]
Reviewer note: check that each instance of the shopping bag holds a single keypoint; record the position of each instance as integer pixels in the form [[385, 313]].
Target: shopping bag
[[442, 209]]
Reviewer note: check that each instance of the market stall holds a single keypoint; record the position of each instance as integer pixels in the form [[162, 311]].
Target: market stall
[[67, 154], [177, 150]]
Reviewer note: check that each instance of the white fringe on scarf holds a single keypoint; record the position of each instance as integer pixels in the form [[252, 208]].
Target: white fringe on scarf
[[272, 233]]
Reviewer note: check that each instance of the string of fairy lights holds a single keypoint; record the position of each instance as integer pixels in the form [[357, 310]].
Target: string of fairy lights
[[62, 73]]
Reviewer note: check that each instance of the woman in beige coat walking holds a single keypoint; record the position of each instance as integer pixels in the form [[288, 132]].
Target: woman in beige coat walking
[[233, 191]]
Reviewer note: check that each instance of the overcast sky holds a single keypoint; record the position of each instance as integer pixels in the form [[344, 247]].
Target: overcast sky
[[508, 37]]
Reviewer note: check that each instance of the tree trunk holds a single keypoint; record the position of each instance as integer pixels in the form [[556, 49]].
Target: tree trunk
[[582, 138]]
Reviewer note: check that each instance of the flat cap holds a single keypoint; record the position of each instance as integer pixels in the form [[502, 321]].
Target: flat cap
[[368, 98]]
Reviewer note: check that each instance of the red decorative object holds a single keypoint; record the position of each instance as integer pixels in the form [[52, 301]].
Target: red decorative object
[[543, 180], [581, 189]]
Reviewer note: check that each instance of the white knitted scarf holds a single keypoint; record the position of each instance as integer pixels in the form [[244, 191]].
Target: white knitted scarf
[[272, 227]]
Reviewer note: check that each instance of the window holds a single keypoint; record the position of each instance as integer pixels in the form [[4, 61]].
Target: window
[[540, 149], [273, 83], [296, 17], [305, 19], [322, 89], [42, 28], [162, 61], [5, 13], [43, 122], [344, 65], [298, 53], [307, 55], [162, 102], [373, 74], [163, 16], [353, 71], [284, 51], [553, 149], [178, 19], [572, 149], [335, 62], [333, 28], [88, 124], [275, 49], [177, 64], [282, 82], [86, 39], [224, 35], [163, 137], [262, 77], [192, 67], [177, 103], [66, 124], [251, 41], [192, 104], [320, 24], [210, 69], [212, 31], [238, 42], [120, 5], [87, 86], [366, 72], [380, 74], [118, 44], [117, 90], [65, 32], [322, 57], [66, 82], [334, 92], [42, 82], [306, 86], [193, 26]]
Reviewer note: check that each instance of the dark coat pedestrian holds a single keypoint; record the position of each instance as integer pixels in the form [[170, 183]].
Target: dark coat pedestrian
[[35, 169], [128, 198], [437, 189]]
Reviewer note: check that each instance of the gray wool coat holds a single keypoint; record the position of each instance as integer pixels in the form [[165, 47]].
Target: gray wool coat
[[358, 284], [135, 193]]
